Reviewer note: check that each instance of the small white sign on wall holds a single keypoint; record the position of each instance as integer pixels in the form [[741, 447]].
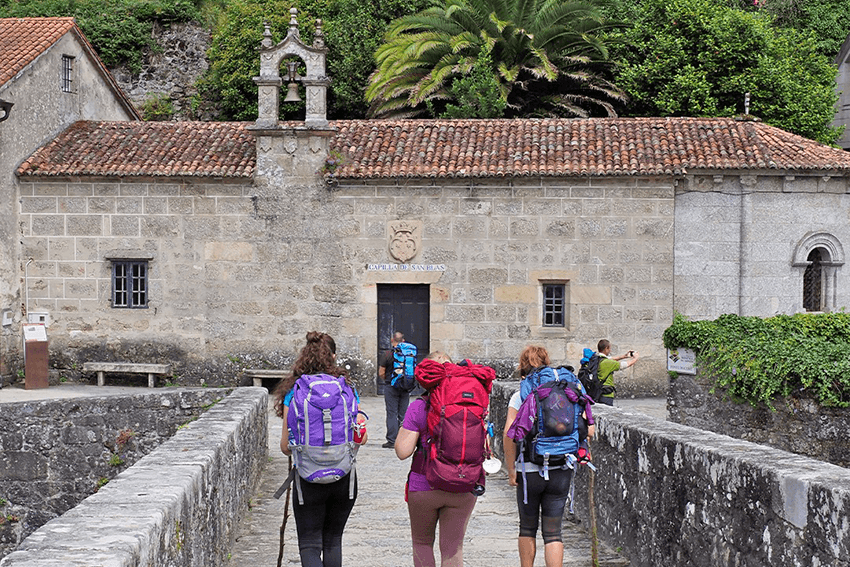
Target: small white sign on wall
[[681, 360], [35, 333]]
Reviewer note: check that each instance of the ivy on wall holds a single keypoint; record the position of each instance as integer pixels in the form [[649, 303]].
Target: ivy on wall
[[760, 360]]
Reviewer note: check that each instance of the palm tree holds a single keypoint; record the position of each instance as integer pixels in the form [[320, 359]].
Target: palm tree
[[547, 56]]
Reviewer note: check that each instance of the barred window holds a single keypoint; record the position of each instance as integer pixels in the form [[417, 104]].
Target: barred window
[[554, 305], [129, 284], [813, 282], [67, 74]]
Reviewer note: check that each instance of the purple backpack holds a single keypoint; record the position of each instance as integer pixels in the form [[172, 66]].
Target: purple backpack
[[321, 420]]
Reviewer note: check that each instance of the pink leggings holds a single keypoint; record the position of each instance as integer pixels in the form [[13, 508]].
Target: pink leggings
[[452, 510]]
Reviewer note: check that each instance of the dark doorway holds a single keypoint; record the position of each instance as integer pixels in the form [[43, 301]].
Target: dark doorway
[[405, 308]]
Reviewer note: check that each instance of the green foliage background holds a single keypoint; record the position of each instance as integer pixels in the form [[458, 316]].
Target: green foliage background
[[353, 31], [119, 30], [681, 57], [699, 57], [760, 360]]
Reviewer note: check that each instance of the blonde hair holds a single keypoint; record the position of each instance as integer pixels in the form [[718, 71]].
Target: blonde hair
[[532, 357], [439, 356]]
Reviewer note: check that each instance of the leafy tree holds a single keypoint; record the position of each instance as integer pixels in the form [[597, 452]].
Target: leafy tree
[[699, 58], [477, 93], [352, 33], [829, 20], [548, 57]]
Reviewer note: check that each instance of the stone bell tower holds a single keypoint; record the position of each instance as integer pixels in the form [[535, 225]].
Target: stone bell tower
[[292, 149]]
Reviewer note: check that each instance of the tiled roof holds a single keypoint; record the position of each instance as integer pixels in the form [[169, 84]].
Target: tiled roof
[[158, 149], [596, 146], [24, 39], [446, 148]]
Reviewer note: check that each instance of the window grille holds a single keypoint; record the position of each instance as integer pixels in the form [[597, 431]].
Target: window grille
[[554, 305], [813, 282], [130, 284], [67, 74]]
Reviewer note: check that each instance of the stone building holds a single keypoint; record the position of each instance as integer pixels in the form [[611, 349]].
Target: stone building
[[217, 246], [53, 78]]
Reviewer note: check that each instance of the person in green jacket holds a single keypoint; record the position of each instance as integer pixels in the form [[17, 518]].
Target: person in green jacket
[[610, 364]]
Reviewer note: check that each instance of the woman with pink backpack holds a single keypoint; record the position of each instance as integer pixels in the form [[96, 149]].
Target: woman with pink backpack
[[325, 488], [442, 489]]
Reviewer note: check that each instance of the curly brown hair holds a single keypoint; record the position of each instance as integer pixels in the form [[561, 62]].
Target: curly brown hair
[[317, 357], [532, 357]]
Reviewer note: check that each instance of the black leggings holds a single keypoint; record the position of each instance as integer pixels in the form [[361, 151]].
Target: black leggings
[[321, 520], [546, 499]]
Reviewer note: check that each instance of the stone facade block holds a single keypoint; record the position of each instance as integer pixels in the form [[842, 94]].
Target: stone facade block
[[123, 225], [72, 205], [84, 225], [228, 252], [40, 205], [523, 294], [156, 205], [101, 205], [48, 225]]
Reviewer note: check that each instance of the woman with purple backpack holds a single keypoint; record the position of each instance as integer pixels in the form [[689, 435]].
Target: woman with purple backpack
[[324, 497]]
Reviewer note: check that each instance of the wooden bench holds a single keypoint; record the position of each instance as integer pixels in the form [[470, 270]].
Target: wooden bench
[[152, 370], [258, 375]]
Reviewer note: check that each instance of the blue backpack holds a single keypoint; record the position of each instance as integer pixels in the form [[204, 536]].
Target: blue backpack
[[404, 365], [556, 401], [321, 421]]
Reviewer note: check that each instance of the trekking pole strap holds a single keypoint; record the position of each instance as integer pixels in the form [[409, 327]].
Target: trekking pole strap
[[285, 484]]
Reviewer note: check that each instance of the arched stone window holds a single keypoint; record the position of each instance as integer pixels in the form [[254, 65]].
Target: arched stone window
[[813, 281], [820, 255]]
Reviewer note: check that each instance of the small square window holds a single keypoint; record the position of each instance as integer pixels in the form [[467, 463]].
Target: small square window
[[554, 305], [67, 74], [129, 284]]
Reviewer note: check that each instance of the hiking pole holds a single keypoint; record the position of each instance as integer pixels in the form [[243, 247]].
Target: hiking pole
[[285, 517], [591, 501]]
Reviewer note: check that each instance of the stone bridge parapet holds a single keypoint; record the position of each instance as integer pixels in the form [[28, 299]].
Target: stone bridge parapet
[[178, 505], [668, 494]]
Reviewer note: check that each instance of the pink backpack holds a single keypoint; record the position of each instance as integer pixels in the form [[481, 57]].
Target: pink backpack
[[455, 441]]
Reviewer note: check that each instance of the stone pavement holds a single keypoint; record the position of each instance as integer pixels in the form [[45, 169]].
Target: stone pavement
[[378, 531]]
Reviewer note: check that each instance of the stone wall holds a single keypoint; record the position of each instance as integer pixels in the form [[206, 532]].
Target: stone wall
[[55, 453], [178, 505], [287, 255], [742, 243], [171, 70], [797, 424], [667, 494]]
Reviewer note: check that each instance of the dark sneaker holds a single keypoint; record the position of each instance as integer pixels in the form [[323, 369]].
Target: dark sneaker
[[388, 445]]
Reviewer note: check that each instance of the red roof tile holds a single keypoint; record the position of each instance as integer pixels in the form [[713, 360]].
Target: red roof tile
[[141, 149], [446, 148], [596, 146], [24, 39]]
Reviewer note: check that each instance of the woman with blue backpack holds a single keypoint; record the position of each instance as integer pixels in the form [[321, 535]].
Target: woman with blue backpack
[[548, 420], [317, 401]]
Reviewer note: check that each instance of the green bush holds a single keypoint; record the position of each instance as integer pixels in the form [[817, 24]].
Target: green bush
[[157, 108], [760, 360]]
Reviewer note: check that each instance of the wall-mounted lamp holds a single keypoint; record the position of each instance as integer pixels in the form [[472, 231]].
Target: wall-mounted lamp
[[292, 87], [5, 109]]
